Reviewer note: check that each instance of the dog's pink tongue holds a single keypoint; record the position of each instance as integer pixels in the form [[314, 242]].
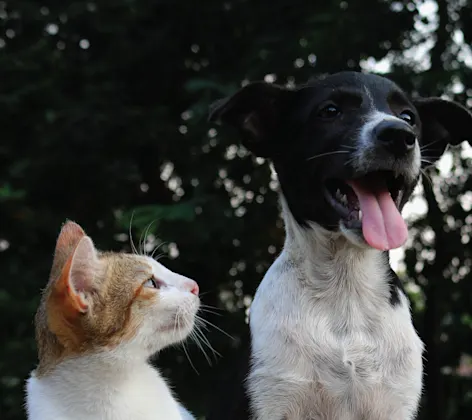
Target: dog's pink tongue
[[382, 224]]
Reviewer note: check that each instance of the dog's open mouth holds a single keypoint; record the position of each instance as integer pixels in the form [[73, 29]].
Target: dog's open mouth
[[371, 202]]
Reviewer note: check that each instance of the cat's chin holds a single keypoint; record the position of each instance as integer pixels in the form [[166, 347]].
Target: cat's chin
[[178, 331], [182, 332], [174, 333]]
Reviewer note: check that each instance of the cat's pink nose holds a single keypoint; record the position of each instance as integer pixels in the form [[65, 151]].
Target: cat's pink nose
[[193, 287]]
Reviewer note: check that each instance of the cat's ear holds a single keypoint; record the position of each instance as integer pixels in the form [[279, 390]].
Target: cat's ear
[[76, 281], [70, 235]]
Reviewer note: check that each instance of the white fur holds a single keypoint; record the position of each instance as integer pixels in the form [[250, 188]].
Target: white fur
[[326, 342], [120, 384]]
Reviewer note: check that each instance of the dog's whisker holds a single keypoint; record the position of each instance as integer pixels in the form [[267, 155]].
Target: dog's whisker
[[423, 147], [349, 161], [428, 178], [427, 161], [327, 154]]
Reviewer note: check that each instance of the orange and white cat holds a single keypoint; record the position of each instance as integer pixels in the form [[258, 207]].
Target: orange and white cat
[[102, 315]]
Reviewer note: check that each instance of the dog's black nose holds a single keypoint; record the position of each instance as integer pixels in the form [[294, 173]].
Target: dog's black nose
[[398, 137]]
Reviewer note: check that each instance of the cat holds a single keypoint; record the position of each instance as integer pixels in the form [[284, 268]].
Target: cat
[[101, 316]]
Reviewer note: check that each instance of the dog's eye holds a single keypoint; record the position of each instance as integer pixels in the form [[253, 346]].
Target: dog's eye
[[152, 283], [408, 116], [329, 112]]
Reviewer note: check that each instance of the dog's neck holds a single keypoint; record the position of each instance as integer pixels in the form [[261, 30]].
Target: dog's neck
[[330, 259]]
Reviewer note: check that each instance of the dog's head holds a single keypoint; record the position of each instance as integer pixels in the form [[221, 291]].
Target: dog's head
[[347, 148]]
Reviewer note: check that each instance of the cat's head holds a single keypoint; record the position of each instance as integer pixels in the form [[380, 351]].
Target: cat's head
[[103, 301]]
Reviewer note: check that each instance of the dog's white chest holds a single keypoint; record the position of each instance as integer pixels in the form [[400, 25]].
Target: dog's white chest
[[318, 354]]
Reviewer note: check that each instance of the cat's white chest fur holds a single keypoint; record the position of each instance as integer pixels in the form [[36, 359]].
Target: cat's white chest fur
[[73, 393], [324, 352]]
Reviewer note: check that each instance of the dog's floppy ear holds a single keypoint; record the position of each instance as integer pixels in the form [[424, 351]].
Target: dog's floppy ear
[[255, 111], [443, 122]]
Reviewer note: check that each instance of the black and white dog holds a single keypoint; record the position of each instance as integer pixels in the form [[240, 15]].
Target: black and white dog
[[331, 330]]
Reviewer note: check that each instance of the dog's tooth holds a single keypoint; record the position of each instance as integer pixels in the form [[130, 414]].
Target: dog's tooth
[[339, 196], [400, 196], [360, 214]]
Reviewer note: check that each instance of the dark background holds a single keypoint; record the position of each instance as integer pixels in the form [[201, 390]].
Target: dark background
[[103, 110]]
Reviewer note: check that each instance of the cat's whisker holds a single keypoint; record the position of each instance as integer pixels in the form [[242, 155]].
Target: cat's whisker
[[207, 342], [147, 233], [209, 311], [197, 341], [206, 322], [199, 325], [144, 238], [161, 255], [189, 359], [327, 154], [203, 305], [348, 147], [156, 249], [177, 326], [133, 247], [195, 337], [204, 340], [140, 243]]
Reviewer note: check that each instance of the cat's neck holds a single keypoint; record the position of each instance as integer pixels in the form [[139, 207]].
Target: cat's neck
[[107, 366], [104, 386]]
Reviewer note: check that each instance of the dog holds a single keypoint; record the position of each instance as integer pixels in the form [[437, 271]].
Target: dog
[[332, 336]]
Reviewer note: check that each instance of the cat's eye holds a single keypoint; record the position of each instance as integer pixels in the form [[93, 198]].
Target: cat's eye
[[152, 283]]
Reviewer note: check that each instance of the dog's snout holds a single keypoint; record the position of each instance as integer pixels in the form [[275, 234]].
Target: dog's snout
[[396, 136]]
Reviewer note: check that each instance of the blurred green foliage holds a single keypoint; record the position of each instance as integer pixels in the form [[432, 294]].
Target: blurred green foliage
[[103, 110]]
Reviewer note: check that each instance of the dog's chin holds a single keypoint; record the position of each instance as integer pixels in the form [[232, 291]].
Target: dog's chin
[[354, 234]]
